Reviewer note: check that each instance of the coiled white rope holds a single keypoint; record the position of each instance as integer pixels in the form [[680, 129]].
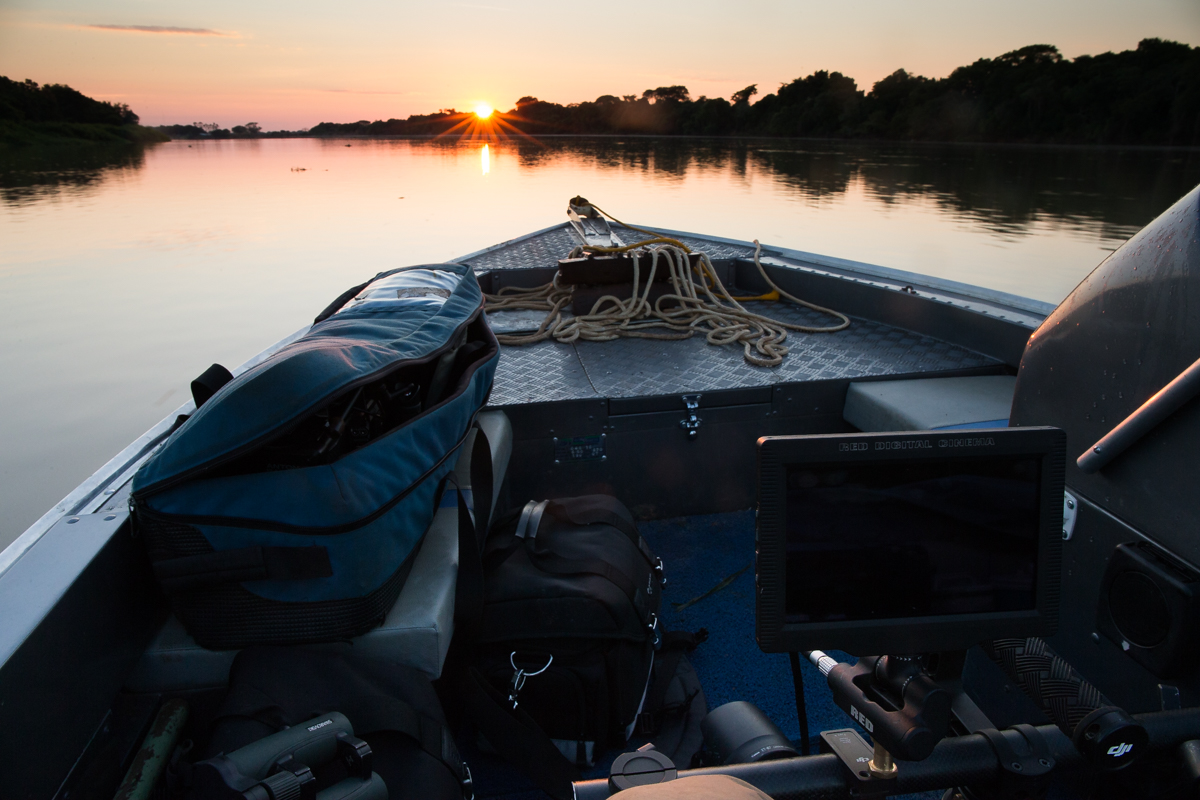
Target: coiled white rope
[[692, 306]]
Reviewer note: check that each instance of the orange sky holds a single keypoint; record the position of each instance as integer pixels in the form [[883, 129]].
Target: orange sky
[[293, 64]]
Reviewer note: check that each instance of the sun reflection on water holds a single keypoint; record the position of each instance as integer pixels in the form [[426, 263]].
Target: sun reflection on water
[[485, 159]]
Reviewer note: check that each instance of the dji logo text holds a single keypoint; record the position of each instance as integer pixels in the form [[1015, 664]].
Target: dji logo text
[[1118, 750]]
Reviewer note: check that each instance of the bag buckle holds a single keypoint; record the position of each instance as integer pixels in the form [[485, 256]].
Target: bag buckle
[[661, 571], [646, 724], [520, 675], [655, 631], [530, 519], [468, 783]]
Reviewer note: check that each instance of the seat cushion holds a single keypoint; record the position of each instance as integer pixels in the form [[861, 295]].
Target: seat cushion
[[979, 401], [416, 631]]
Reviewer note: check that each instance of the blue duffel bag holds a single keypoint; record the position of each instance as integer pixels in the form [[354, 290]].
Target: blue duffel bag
[[289, 507]]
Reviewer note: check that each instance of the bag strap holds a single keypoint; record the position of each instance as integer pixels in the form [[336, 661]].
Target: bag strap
[[242, 564], [513, 733], [209, 383], [383, 713], [342, 299], [472, 532], [516, 736], [674, 645]]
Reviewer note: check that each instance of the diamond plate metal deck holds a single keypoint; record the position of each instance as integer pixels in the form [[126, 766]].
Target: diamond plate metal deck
[[714, 249], [551, 371], [539, 373], [643, 367], [543, 250]]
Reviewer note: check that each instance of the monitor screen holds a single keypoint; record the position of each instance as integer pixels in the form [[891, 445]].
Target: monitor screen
[[908, 541]]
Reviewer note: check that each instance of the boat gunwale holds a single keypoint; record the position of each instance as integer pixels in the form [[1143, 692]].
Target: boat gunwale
[[89, 496]]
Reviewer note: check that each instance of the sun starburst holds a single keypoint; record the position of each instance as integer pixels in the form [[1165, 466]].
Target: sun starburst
[[485, 124]]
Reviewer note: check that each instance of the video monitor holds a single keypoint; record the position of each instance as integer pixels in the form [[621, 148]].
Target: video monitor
[[908, 542]]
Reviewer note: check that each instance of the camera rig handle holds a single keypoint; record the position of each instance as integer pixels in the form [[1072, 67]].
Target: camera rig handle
[[906, 712], [1105, 734]]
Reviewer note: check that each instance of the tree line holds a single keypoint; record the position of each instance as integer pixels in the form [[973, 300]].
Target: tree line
[[1146, 96], [211, 130], [31, 113], [26, 101]]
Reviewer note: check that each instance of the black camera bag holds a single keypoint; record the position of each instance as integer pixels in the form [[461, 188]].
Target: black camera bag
[[572, 582], [565, 636]]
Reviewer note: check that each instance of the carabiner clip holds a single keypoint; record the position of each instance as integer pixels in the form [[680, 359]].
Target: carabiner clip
[[520, 675], [655, 631]]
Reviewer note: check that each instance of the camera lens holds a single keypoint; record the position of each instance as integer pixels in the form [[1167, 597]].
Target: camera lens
[[739, 733]]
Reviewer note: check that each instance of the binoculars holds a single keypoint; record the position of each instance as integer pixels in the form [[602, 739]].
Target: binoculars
[[280, 766]]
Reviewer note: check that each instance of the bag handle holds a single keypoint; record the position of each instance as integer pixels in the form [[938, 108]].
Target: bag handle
[[529, 524], [209, 383]]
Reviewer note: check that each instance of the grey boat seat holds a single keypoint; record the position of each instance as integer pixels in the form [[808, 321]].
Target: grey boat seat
[[417, 630], [978, 401]]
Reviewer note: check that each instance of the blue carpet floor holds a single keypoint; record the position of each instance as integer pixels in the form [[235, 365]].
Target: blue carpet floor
[[700, 552]]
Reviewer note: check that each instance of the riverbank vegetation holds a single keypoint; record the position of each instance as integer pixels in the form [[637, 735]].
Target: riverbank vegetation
[[1146, 96], [53, 113], [211, 130]]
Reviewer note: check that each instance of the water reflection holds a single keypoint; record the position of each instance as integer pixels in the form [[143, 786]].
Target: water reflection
[[1110, 193], [31, 174], [124, 273]]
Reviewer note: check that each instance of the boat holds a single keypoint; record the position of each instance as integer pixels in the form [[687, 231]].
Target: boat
[[90, 652]]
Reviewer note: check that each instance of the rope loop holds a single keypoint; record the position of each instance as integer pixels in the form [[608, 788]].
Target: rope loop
[[698, 302]]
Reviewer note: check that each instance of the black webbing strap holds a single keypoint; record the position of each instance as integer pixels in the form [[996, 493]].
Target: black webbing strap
[[342, 299], [209, 383], [482, 485], [512, 732], [243, 564], [468, 589], [516, 736], [379, 712], [666, 665]]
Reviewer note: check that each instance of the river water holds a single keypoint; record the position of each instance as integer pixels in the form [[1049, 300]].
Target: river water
[[124, 274]]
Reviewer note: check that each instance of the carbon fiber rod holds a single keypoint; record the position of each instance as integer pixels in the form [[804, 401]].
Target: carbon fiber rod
[[957, 761]]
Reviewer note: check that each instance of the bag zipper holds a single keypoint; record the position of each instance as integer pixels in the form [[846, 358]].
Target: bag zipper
[[308, 530], [241, 450]]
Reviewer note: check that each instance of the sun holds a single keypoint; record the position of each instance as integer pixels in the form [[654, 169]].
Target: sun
[[483, 110]]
